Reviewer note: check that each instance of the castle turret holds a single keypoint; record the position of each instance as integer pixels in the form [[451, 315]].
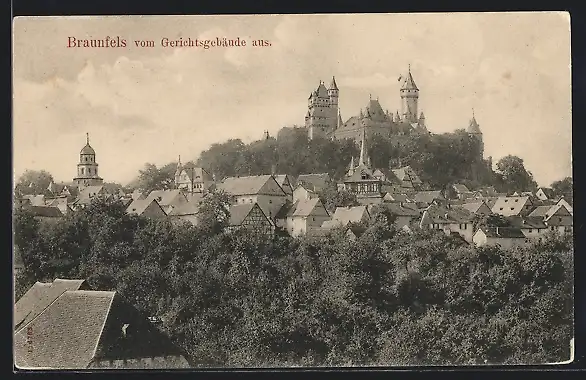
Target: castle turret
[[409, 98], [421, 123], [178, 171], [474, 130], [322, 114]]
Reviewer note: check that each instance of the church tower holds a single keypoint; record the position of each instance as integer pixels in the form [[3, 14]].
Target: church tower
[[409, 98], [87, 168]]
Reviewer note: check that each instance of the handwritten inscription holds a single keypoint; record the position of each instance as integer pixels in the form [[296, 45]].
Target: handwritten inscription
[[29, 338]]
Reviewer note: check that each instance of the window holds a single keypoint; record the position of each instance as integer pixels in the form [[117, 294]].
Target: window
[[82, 172], [512, 208], [270, 201], [516, 200], [552, 228], [530, 230], [501, 209], [250, 200], [89, 170]]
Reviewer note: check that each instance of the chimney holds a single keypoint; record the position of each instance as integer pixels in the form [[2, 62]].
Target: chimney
[[401, 204], [497, 231], [446, 215]]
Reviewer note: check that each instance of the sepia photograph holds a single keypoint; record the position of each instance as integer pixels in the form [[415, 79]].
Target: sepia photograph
[[292, 191]]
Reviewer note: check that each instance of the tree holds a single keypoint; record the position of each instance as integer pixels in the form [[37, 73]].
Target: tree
[[563, 187], [214, 212], [152, 178], [33, 182], [514, 176], [333, 198]]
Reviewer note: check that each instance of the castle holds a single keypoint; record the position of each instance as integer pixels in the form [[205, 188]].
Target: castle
[[324, 118]]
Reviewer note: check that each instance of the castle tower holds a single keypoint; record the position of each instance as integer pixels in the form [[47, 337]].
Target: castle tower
[[421, 122], [474, 130], [87, 168], [409, 98], [319, 119]]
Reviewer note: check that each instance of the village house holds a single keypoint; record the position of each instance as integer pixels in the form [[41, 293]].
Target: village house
[[531, 227], [428, 196], [304, 215], [185, 212], [410, 181], [61, 327], [148, 208], [304, 191], [262, 189], [567, 203], [396, 197], [505, 237], [510, 206], [462, 192], [344, 216], [405, 213], [88, 194], [477, 208], [45, 213], [450, 219], [167, 199], [318, 181], [61, 203], [557, 217], [251, 217]]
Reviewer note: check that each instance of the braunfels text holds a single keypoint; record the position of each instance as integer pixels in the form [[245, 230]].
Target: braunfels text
[[108, 42]]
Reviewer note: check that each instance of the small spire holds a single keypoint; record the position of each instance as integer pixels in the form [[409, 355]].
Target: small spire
[[409, 68], [363, 149], [87, 138], [472, 112], [369, 96]]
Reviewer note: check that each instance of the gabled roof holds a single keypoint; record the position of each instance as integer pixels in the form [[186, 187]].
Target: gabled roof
[[36, 200], [305, 207], [526, 222], [239, 212], [439, 214], [549, 193], [245, 185], [509, 205], [82, 326], [39, 296], [406, 173], [189, 208], [460, 188], [402, 209], [541, 211], [317, 180], [503, 232], [139, 206], [474, 206], [45, 211], [165, 197], [394, 197], [350, 214], [427, 196]]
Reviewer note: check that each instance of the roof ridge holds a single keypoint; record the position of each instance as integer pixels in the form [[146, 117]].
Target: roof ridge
[[103, 325]]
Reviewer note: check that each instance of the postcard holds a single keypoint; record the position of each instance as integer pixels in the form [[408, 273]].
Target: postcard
[[278, 191]]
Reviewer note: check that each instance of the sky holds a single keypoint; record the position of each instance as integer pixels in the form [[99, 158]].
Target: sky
[[153, 104]]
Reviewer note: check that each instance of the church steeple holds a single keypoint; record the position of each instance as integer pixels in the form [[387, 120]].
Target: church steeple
[[87, 168]]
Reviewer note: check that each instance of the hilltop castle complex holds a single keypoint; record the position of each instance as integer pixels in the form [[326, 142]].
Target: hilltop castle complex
[[324, 118]]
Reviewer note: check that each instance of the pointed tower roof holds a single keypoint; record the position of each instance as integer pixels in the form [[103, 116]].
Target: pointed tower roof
[[179, 166], [473, 127], [322, 91], [421, 116], [408, 82], [333, 85], [87, 149], [340, 122]]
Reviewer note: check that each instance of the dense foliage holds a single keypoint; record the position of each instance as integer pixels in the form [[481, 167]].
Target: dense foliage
[[389, 298]]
